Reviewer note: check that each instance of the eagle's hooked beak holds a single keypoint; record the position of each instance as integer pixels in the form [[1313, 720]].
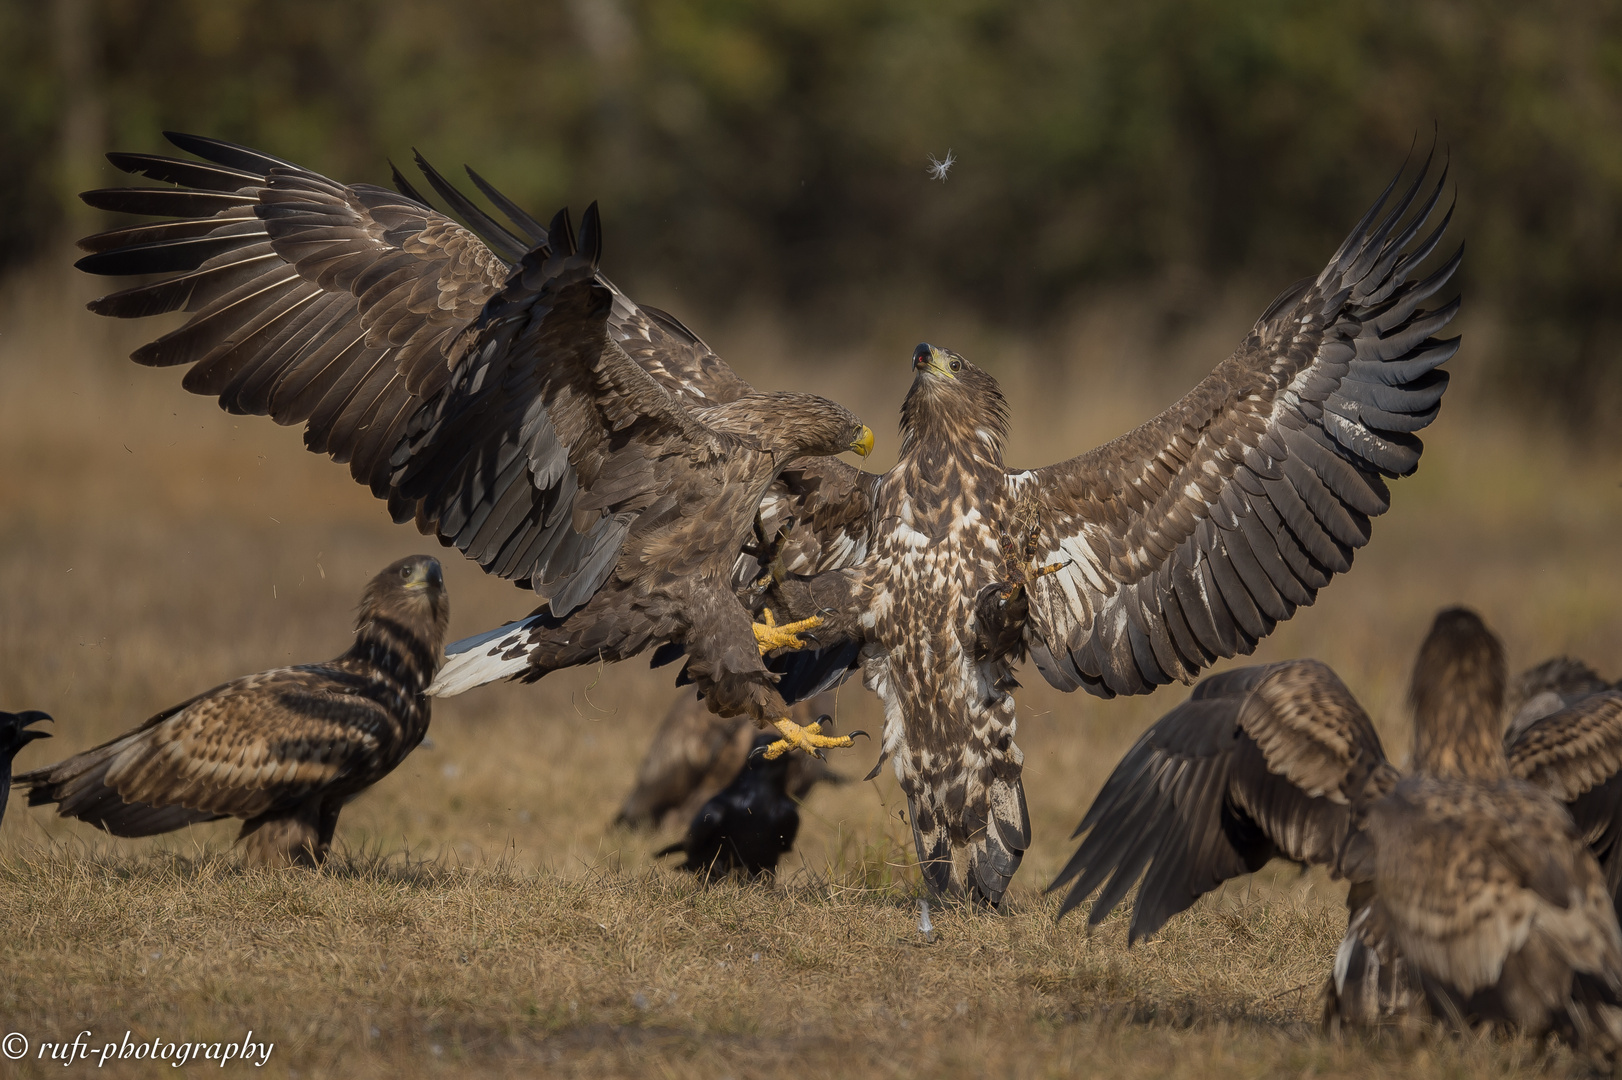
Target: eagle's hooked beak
[[863, 445], [927, 357], [427, 574]]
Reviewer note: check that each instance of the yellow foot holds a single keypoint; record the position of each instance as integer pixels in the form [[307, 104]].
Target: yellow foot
[[808, 738], [769, 635]]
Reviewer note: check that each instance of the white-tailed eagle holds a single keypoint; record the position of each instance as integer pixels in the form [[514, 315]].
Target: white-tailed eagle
[[1130, 566], [695, 754], [1483, 880], [284, 749], [499, 391]]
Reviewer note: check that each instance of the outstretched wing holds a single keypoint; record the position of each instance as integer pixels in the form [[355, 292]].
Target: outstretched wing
[[240, 750], [357, 311], [1259, 762], [1576, 756], [1191, 537], [311, 301], [549, 441]]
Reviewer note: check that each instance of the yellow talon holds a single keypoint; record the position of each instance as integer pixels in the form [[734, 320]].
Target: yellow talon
[[769, 635], [808, 738]]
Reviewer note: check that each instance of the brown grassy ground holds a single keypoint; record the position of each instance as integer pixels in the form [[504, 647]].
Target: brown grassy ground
[[485, 918]]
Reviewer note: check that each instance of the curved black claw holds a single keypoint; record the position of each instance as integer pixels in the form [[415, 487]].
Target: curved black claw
[[863, 734]]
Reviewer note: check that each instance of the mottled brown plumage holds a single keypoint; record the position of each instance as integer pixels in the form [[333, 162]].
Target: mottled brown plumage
[[1548, 687], [284, 749], [1473, 897], [1138, 563], [696, 753], [499, 391]]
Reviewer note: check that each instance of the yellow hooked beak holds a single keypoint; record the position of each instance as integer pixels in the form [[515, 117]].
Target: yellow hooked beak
[[863, 445]]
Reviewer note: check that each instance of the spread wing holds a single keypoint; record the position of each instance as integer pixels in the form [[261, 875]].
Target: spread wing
[[240, 750], [1259, 762], [1576, 756], [311, 301], [549, 441], [362, 313], [1191, 537]]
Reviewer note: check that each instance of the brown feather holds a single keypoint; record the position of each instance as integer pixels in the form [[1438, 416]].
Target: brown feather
[[283, 749]]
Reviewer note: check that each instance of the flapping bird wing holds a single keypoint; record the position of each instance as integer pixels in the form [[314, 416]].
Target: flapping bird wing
[[1576, 756], [1259, 762], [1191, 537], [311, 301], [549, 440], [362, 313]]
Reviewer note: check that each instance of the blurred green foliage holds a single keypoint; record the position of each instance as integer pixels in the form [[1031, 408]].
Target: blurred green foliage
[[775, 150]]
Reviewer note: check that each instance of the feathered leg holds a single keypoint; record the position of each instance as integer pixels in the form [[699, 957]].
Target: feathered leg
[[287, 839]]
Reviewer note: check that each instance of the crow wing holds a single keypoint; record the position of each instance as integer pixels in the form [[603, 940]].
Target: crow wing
[[1259, 762], [1191, 537]]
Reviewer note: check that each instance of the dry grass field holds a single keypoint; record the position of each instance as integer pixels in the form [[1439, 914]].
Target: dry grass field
[[484, 918]]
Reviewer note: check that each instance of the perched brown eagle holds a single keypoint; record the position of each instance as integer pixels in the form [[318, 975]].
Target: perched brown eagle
[[284, 749], [695, 754], [1135, 564], [1475, 896], [501, 392]]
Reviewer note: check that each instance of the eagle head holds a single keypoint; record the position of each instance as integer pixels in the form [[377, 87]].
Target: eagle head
[[1457, 695], [410, 593], [953, 405]]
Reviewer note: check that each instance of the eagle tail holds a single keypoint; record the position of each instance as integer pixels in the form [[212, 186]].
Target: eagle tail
[[1369, 983], [483, 658], [980, 868], [995, 854], [79, 788]]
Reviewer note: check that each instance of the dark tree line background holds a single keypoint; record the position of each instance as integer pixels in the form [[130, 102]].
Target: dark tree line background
[[774, 151]]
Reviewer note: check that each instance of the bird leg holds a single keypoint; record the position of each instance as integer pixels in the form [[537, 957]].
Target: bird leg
[[808, 738], [769, 635], [1017, 569]]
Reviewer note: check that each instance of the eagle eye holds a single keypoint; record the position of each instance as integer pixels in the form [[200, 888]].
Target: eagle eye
[[405, 571], [957, 365]]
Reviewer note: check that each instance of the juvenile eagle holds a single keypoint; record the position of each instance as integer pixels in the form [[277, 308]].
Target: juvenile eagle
[[1474, 895], [1140, 562], [695, 754], [504, 395], [284, 749]]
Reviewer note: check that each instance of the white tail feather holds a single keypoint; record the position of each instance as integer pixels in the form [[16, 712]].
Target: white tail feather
[[483, 658]]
